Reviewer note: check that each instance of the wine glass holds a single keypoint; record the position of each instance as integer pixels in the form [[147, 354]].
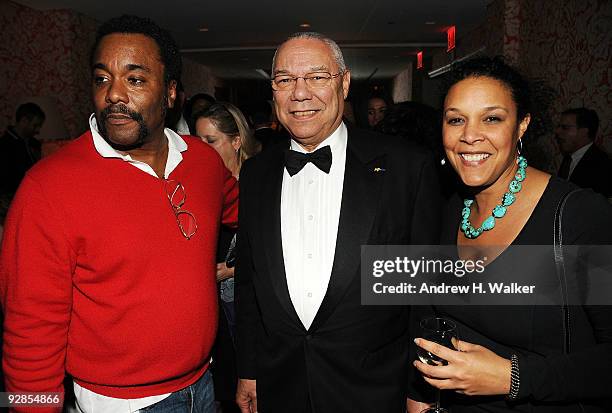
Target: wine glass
[[441, 331]]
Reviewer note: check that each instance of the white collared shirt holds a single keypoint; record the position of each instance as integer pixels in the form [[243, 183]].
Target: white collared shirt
[[176, 145], [310, 212], [577, 156], [87, 400]]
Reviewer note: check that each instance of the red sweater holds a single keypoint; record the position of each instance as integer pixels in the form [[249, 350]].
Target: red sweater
[[96, 278]]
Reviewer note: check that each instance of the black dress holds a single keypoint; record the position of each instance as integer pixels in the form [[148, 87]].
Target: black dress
[[224, 354], [550, 381]]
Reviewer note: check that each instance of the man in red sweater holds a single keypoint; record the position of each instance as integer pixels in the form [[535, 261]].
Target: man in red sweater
[[107, 266]]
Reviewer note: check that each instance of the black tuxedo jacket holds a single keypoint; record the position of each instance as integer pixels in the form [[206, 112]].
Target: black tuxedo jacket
[[17, 155], [594, 171], [353, 358]]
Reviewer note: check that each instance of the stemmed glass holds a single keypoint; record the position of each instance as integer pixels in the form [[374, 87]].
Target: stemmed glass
[[441, 331]]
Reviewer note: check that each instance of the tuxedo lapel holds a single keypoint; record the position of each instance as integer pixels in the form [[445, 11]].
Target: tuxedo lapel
[[271, 230], [360, 193]]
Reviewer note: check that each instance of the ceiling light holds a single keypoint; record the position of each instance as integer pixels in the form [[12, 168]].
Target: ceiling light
[[203, 29], [305, 25], [430, 23]]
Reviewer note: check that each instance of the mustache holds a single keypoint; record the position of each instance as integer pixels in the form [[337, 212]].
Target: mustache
[[122, 109]]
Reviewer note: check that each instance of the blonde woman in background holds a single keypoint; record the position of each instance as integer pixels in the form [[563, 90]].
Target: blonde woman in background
[[225, 128]]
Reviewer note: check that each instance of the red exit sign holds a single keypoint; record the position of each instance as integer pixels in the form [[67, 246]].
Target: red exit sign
[[450, 38]]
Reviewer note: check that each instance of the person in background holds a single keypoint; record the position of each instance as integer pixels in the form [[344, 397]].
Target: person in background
[[19, 148], [224, 128], [348, 114], [378, 105], [107, 267], [198, 103], [260, 115], [174, 118], [584, 163], [513, 358]]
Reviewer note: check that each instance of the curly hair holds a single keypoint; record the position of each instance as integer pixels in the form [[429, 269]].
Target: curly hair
[[168, 49]]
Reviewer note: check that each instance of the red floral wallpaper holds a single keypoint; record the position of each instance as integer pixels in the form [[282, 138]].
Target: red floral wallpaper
[[45, 54], [512, 22], [569, 43]]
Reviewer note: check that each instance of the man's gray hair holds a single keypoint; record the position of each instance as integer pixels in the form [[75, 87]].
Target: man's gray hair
[[336, 52]]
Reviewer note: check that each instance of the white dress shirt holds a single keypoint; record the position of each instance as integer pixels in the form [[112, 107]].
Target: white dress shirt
[[87, 400], [577, 156], [181, 127], [310, 212]]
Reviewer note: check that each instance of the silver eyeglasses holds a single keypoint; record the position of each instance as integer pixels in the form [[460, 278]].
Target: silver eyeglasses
[[315, 80], [175, 191]]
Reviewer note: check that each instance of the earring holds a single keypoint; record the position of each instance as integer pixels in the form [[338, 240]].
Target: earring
[[443, 161], [519, 146]]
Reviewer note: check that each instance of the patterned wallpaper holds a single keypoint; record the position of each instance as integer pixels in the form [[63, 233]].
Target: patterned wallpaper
[[46, 54], [402, 86], [570, 45]]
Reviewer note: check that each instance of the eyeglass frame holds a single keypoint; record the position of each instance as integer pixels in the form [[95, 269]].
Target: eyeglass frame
[[305, 77], [177, 208]]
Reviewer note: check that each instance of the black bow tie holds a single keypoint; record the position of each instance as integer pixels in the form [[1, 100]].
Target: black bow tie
[[295, 161]]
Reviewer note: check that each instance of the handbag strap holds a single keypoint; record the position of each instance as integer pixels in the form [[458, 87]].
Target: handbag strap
[[560, 265]]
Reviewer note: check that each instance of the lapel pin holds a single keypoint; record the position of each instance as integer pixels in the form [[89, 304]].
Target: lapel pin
[[379, 169]]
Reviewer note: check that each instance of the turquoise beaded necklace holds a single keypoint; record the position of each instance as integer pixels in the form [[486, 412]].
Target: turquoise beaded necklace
[[500, 210]]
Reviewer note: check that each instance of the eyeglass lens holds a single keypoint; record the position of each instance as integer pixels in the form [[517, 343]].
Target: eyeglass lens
[[186, 221]]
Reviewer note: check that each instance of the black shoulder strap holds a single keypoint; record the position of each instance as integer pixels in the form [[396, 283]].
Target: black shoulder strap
[[560, 264]]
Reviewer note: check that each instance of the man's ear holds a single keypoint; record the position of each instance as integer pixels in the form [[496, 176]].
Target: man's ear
[[171, 93], [346, 81]]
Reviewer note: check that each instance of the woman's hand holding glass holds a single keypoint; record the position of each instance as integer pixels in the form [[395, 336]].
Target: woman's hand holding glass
[[474, 370]]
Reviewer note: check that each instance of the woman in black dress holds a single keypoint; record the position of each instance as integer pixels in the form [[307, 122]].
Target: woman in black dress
[[514, 358]]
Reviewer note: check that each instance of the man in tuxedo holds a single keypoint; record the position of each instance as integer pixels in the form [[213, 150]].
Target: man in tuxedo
[[305, 342], [260, 116], [584, 163]]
